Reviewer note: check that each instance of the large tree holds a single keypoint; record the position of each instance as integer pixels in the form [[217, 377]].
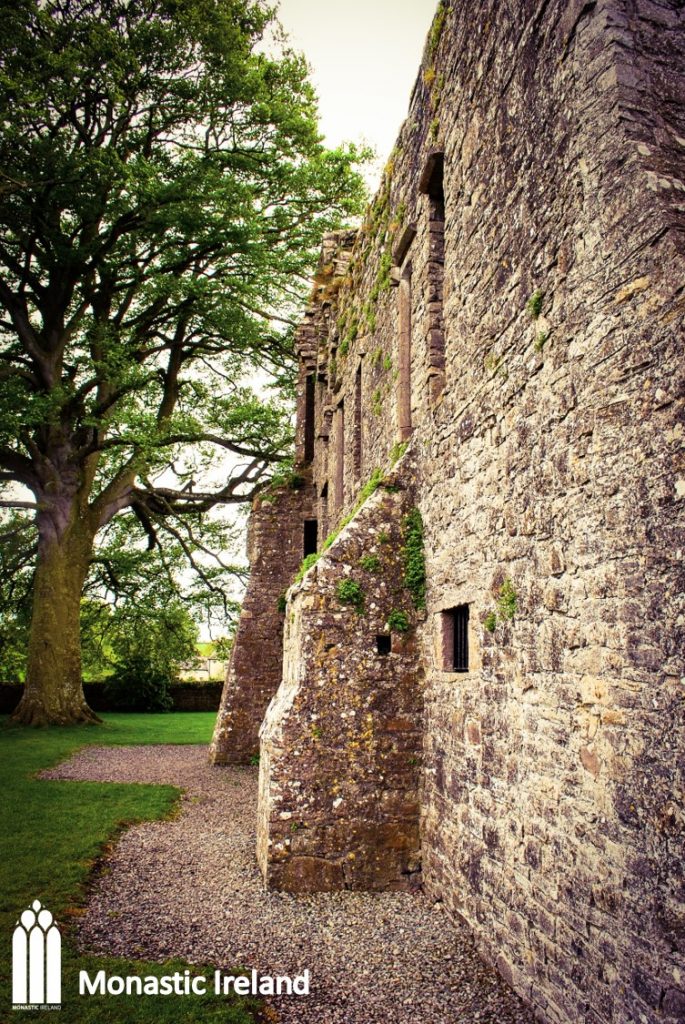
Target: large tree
[[163, 189], [130, 586]]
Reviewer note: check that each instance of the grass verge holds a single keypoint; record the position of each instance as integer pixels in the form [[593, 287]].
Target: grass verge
[[51, 835]]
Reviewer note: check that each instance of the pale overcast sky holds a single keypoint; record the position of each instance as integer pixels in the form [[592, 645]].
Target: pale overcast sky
[[365, 57]]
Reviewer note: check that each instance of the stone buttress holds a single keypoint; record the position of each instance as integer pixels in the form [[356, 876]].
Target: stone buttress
[[341, 742], [274, 549]]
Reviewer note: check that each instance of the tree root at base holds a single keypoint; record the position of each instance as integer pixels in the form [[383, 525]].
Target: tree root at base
[[34, 713]]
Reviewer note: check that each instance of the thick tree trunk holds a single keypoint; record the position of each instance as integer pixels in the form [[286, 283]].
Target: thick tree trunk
[[53, 694]]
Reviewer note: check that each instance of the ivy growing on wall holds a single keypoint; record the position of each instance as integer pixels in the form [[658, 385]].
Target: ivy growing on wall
[[414, 558]]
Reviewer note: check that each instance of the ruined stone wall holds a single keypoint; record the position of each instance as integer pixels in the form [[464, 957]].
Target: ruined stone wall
[[553, 816], [274, 549], [513, 303], [341, 741]]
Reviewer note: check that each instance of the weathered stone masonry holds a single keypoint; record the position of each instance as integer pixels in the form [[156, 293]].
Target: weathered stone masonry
[[341, 742], [513, 307], [274, 549]]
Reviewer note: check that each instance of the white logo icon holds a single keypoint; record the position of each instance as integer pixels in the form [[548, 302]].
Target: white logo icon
[[36, 959]]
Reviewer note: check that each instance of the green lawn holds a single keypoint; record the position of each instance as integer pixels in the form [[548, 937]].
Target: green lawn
[[50, 835]]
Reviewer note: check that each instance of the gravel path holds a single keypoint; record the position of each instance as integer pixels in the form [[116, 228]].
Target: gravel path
[[191, 888]]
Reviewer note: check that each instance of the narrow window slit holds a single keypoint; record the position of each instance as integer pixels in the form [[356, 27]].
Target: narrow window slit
[[431, 184], [309, 417], [383, 644], [455, 639], [339, 494], [311, 536]]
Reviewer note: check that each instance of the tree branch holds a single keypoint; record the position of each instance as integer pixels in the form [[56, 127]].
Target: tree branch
[[10, 503], [19, 468]]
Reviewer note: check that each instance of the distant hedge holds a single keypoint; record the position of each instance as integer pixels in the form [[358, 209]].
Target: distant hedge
[[185, 696]]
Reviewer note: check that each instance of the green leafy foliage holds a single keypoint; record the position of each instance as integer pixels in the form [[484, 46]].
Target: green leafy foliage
[[507, 600], [350, 592], [370, 563], [164, 191], [148, 652], [490, 622], [132, 586], [222, 647], [285, 476], [17, 552], [414, 558], [507, 604], [140, 685], [398, 621], [534, 304], [306, 565]]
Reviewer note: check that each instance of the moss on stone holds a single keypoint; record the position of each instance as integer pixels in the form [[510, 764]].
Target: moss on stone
[[534, 304], [541, 340], [397, 451], [350, 592], [377, 402], [490, 622], [307, 563], [398, 621], [437, 27]]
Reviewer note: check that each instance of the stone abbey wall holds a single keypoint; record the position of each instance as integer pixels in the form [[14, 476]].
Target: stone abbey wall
[[274, 550], [513, 308]]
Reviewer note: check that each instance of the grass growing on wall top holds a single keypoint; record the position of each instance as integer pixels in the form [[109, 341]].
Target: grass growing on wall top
[[369, 488], [437, 27]]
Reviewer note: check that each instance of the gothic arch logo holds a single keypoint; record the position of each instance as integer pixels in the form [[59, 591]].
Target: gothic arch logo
[[36, 960]]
